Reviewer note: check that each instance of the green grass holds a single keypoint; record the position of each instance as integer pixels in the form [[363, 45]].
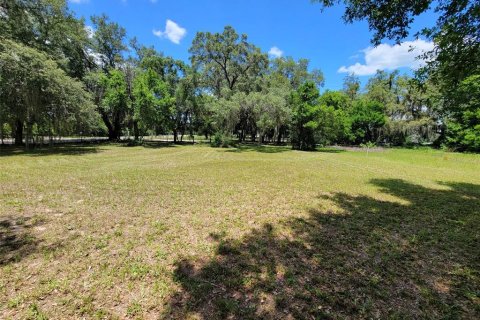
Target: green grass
[[113, 232]]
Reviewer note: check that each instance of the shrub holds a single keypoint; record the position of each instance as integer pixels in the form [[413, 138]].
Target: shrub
[[221, 141]]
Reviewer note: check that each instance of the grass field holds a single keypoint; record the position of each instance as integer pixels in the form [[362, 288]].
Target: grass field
[[192, 232]]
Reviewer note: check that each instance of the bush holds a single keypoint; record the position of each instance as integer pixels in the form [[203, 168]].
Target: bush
[[464, 136], [221, 141], [368, 145]]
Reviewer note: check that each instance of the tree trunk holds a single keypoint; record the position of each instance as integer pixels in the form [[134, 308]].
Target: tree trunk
[[118, 132], [108, 124], [112, 135], [18, 133], [117, 128], [28, 136], [135, 130], [175, 136]]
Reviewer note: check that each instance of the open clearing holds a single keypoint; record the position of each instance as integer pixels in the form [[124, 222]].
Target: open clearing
[[258, 232]]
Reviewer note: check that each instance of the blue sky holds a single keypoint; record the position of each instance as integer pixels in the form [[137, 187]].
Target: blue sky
[[296, 28]]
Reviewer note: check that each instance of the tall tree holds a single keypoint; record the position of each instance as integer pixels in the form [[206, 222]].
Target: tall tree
[[456, 55], [47, 97], [49, 26], [351, 86], [306, 113], [367, 119], [112, 90], [336, 99], [187, 105], [226, 59], [108, 41], [115, 105], [409, 105], [153, 104], [297, 71], [464, 125], [168, 69], [273, 109]]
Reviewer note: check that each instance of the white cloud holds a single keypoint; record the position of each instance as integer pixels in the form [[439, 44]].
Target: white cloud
[[173, 32], [275, 52], [388, 57]]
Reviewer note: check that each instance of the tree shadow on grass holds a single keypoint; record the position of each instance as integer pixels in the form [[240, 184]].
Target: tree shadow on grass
[[70, 150], [277, 149], [155, 144], [160, 145], [411, 259], [16, 240], [330, 150], [259, 148]]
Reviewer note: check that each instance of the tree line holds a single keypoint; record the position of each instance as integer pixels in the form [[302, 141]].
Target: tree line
[[58, 77]]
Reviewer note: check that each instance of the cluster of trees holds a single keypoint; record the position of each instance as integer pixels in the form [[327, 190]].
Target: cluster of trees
[[58, 77], [453, 67]]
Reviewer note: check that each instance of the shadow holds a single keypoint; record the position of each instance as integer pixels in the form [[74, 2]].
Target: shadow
[[155, 144], [159, 145], [358, 149], [415, 258], [259, 148], [16, 240], [70, 150], [330, 150]]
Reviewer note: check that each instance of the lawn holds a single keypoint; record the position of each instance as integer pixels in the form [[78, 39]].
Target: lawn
[[193, 232]]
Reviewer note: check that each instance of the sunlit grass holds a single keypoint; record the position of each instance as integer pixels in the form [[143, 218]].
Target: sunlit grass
[[145, 232]]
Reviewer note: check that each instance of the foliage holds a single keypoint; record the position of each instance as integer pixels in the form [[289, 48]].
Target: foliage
[[296, 72], [108, 42], [464, 127], [48, 26], [368, 145], [153, 105], [47, 98], [306, 114], [367, 118], [272, 109], [226, 59], [351, 86], [411, 107], [392, 19], [231, 87], [188, 105], [221, 140], [455, 57], [115, 105], [339, 100]]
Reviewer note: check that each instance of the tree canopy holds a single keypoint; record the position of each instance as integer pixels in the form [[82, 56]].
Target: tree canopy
[[59, 77], [47, 98]]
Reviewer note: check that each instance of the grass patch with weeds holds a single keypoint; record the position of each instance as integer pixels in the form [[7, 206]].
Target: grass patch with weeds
[[250, 232]]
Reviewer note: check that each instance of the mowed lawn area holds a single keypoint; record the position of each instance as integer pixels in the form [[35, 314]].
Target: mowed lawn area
[[193, 232]]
